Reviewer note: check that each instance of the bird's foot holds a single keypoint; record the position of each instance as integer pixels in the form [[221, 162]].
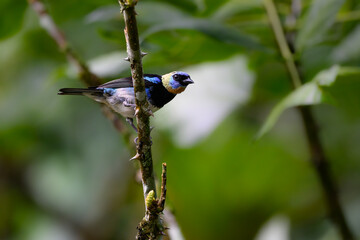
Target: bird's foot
[[131, 122], [127, 104]]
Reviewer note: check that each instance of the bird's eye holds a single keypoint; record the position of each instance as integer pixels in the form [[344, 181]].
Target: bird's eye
[[176, 77]]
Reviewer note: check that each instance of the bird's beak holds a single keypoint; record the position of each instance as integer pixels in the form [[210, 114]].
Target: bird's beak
[[188, 81]]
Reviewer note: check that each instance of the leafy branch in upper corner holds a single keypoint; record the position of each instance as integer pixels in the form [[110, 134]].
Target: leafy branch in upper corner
[[314, 92], [151, 227]]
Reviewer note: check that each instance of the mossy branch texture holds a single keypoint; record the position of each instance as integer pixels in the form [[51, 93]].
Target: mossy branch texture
[[318, 156], [142, 111], [151, 227]]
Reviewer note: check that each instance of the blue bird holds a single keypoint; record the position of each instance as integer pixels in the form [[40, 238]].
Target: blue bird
[[119, 95]]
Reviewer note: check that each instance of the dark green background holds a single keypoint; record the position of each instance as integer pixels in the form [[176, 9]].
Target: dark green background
[[64, 170]]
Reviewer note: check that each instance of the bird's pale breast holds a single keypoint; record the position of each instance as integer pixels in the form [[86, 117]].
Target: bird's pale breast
[[123, 102]]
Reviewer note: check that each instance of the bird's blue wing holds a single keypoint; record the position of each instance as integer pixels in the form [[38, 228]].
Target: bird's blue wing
[[150, 80]]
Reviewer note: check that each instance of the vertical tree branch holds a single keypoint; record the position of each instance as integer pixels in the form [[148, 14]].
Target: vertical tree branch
[[142, 106], [318, 156], [151, 227]]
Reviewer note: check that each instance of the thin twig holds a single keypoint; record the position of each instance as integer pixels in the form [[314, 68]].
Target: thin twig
[[151, 227], [49, 25], [142, 106], [318, 156], [89, 78], [161, 202], [280, 37]]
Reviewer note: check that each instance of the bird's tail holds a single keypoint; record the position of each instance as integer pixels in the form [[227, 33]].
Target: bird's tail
[[80, 91]]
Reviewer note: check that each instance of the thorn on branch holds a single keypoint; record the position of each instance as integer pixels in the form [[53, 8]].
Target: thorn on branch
[[146, 110], [137, 110], [136, 157]]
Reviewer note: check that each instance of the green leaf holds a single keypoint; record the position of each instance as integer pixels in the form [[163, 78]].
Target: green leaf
[[313, 92], [346, 90], [317, 22], [210, 28], [349, 47], [157, 17], [327, 77], [12, 14], [161, 17], [236, 7], [309, 94], [103, 14], [346, 71]]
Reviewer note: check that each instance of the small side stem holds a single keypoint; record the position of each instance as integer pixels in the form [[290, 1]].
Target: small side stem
[[161, 202], [281, 40], [49, 25], [318, 156], [85, 75]]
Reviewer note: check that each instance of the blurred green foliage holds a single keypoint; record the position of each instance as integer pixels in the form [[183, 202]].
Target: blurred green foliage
[[64, 170]]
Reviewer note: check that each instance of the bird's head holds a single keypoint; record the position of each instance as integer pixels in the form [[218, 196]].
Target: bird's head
[[176, 82]]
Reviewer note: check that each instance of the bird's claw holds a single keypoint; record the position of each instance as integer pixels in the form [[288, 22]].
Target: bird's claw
[[127, 104], [131, 122]]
